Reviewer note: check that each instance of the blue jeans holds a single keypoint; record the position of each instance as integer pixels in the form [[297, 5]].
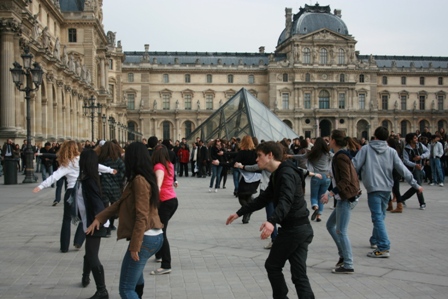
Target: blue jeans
[[131, 271], [436, 169], [337, 226], [269, 211], [236, 178], [216, 173], [378, 202], [46, 171], [318, 188]]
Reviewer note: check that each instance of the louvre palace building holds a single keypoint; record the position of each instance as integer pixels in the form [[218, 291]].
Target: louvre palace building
[[314, 82]]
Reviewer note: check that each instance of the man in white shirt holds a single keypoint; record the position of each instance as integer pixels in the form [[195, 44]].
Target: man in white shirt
[[436, 150]]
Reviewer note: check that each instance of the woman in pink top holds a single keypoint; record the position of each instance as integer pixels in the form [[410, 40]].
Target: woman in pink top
[[164, 171]]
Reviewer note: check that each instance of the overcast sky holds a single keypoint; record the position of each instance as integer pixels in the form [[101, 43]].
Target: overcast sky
[[381, 27]]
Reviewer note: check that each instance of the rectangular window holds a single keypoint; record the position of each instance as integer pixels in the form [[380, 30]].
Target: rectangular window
[[166, 102], [285, 77], [209, 78], [440, 80], [187, 78], [130, 77], [384, 102], [422, 102], [422, 80], [440, 102], [111, 64], [323, 56], [187, 98], [285, 101], [72, 35], [251, 79], [362, 101], [209, 102], [341, 56], [404, 128], [131, 101], [403, 80], [403, 100], [230, 79], [166, 78], [307, 101], [384, 80], [342, 101]]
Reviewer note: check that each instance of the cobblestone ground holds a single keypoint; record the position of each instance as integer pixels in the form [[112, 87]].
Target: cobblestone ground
[[212, 260]]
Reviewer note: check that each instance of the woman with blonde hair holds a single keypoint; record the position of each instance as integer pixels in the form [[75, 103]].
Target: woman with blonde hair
[[68, 159]]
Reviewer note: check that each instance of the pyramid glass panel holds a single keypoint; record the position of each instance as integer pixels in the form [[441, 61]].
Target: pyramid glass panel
[[241, 115]]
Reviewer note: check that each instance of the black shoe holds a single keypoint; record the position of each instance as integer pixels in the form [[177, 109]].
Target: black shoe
[[342, 270], [340, 262], [139, 290], [314, 215], [54, 203], [101, 291]]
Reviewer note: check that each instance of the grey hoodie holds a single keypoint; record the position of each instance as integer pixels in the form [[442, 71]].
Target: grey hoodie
[[375, 162]]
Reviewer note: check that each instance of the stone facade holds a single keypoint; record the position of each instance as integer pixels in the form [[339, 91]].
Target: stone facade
[[314, 81]]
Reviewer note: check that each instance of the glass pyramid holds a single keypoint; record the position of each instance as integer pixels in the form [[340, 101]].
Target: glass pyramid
[[241, 115]]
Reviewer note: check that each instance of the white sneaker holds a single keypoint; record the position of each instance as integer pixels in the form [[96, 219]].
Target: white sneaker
[[210, 190], [432, 184], [216, 190], [441, 184], [269, 246]]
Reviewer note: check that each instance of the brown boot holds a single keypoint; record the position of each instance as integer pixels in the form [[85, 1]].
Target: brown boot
[[399, 208], [390, 206]]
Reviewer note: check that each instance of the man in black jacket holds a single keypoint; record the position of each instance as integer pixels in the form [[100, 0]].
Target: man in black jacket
[[285, 189]]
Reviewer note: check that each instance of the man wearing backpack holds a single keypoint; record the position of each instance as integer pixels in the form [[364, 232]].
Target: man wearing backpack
[[413, 155], [375, 162]]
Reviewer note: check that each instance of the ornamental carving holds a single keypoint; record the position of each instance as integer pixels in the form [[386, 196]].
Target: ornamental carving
[[67, 88], [50, 77], [9, 25], [59, 83]]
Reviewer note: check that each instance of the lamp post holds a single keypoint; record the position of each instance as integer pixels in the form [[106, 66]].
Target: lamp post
[[119, 132], [92, 108], [103, 118], [111, 122], [30, 74]]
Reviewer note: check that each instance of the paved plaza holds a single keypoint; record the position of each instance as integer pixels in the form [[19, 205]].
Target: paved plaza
[[212, 260]]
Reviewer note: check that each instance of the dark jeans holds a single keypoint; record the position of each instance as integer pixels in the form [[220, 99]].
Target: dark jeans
[[183, 169], [291, 245], [202, 172], [167, 209], [58, 191], [92, 249], [418, 176], [270, 208], [66, 223]]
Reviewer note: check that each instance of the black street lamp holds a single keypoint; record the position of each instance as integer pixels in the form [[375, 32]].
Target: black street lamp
[[111, 122], [103, 118], [119, 133], [31, 75], [92, 108]]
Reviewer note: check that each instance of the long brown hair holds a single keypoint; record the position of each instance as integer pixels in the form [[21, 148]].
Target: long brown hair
[[108, 150], [342, 140], [320, 148], [68, 151], [160, 155]]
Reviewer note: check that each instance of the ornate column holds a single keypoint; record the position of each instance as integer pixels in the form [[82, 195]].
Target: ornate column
[[8, 29], [37, 108], [56, 109], [47, 121], [103, 72]]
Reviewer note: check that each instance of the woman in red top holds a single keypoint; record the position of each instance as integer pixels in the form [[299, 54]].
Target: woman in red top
[[164, 170], [184, 156]]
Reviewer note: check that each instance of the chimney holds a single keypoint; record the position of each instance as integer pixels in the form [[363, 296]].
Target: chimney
[[337, 12], [261, 49], [288, 21], [146, 48]]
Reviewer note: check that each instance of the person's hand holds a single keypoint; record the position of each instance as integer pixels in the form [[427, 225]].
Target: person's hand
[[114, 172], [418, 166], [420, 190], [215, 162], [318, 175], [324, 198], [94, 226], [176, 183], [134, 256], [36, 189], [266, 230], [231, 218]]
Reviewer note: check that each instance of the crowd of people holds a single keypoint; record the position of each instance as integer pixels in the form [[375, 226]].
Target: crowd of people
[[104, 182]]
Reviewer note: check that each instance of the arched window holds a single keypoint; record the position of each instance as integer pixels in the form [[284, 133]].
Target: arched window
[[404, 127], [188, 128], [324, 100], [306, 56], [385, 124], [323, 56], [341, 56], [166, 129]]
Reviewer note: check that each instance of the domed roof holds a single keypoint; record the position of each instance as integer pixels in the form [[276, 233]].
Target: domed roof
[[313, 18]]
